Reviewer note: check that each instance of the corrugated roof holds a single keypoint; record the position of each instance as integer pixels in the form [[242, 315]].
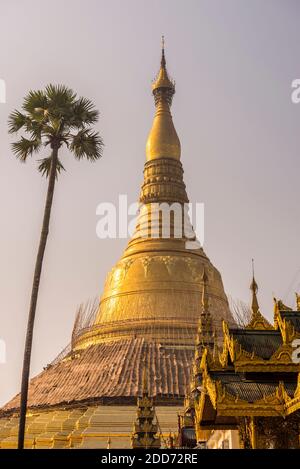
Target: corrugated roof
[[112, 370], [262, 343], [251, 390]]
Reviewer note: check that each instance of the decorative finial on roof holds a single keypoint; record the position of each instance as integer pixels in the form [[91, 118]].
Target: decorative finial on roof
[[163, 87], [254, 289], [257, 321], [204, 335]]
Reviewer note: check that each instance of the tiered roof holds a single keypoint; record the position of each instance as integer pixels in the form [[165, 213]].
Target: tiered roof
[[256, 374]]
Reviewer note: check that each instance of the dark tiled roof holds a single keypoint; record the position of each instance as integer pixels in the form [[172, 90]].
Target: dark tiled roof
[[262, 343], [112, 370], [293, 317], [251, 390]]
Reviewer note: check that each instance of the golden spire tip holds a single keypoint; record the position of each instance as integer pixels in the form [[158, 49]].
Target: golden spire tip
[[163, 59]]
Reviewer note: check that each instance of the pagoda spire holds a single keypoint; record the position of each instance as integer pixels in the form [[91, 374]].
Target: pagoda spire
[[163, 141], [205, 337], [257, 321], [163, 59], [254, 289], [145, 430]]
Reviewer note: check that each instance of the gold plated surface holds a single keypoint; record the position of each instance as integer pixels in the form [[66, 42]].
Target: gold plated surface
[[163, 140], [155, 289]]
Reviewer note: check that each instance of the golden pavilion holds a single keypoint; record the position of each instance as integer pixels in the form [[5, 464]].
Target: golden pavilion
[[148, 313], [251, 386]]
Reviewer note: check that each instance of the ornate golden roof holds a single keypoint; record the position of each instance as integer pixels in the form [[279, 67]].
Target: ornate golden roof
[[257, 380]]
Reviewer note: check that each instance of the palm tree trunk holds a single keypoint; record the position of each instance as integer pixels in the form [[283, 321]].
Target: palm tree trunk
[[34, 298]]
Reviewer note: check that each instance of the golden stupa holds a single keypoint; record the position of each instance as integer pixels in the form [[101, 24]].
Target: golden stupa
[[155, 289], [148, 312]]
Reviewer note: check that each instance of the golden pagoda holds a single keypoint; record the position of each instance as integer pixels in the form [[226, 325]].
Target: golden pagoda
[[148, 312]]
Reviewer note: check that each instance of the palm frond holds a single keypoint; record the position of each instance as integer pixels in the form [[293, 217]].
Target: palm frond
[[36, 129], [26, 147], [60, 98], [87, 144], [49, 118], [16, 121], [83, 113], [34, 102], [45, 166]]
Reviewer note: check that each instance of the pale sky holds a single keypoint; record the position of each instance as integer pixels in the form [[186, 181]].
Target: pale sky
[[233, 62]]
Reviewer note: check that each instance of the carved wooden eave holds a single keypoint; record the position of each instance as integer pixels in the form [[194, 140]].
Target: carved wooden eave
[[228, 346], [293, 404], [276, 404], [271, 405], [287, 330], [280, 361], [279, 306]]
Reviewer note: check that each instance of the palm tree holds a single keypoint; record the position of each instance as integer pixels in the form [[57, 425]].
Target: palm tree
[[51, 118]]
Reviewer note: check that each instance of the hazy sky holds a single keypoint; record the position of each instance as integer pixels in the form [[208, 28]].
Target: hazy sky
[[233, 62]]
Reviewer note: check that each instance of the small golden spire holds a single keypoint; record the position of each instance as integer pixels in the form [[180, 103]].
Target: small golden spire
[[163, 60], [108, 442], [254, 289], [163, 83], [257, 320], [204, 335]]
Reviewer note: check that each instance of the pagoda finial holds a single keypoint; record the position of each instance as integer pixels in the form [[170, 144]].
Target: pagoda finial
[[163, 87], [205, 326], [163, 59], [257, 321], [163, 141]]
